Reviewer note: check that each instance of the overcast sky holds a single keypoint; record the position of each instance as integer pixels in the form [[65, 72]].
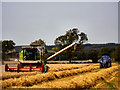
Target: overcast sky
[[26, 22]]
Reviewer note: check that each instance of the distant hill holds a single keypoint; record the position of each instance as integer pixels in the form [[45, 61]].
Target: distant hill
[[87, 47]]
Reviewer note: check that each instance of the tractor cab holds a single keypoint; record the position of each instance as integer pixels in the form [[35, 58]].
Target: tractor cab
[[105, 61]]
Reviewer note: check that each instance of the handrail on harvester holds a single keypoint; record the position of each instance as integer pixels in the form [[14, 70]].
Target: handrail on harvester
[[61, 51]]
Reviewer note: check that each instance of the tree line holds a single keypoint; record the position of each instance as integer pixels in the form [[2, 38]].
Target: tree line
[[76, 52]]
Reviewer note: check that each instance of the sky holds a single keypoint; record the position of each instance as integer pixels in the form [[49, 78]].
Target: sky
[[25, 22], [119, 22]]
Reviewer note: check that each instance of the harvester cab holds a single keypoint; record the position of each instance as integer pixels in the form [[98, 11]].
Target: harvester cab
[[31, 53], [32, 56]]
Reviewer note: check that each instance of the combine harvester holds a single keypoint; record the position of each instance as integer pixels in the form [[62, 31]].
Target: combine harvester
[[31, 58]]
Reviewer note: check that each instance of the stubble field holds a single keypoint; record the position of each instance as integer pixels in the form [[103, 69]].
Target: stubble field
[[64, 76]]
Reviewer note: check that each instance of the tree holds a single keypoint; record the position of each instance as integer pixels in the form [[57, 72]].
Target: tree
[[116, 54], [71, 36], [93, 54], [39, 42], [7, 45], [106, 51]]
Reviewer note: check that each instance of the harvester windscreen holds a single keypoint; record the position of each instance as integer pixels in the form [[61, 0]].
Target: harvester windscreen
[[29, 54]]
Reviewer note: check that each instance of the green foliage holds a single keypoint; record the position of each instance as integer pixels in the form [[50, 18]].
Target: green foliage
[[70, 37], [106, 51], [83, 51], [7, 45], [116, 54], [39, 42], [93, 54], [67, 39]]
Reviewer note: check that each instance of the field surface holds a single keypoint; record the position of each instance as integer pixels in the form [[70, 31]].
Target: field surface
[[87, 75]]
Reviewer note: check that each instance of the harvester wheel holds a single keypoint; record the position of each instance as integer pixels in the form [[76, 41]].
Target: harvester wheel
[[21, 65], [46, 68], [6, 67], [42, 68]]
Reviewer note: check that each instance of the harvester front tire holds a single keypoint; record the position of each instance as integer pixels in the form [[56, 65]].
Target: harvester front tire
[[6, 67], [46, 68]]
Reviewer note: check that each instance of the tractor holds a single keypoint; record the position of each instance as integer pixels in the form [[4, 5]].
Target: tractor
[[105, 61]]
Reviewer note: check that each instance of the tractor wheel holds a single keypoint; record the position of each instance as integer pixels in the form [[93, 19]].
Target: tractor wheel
[[110, 64], [106, 65], [101, 65]]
